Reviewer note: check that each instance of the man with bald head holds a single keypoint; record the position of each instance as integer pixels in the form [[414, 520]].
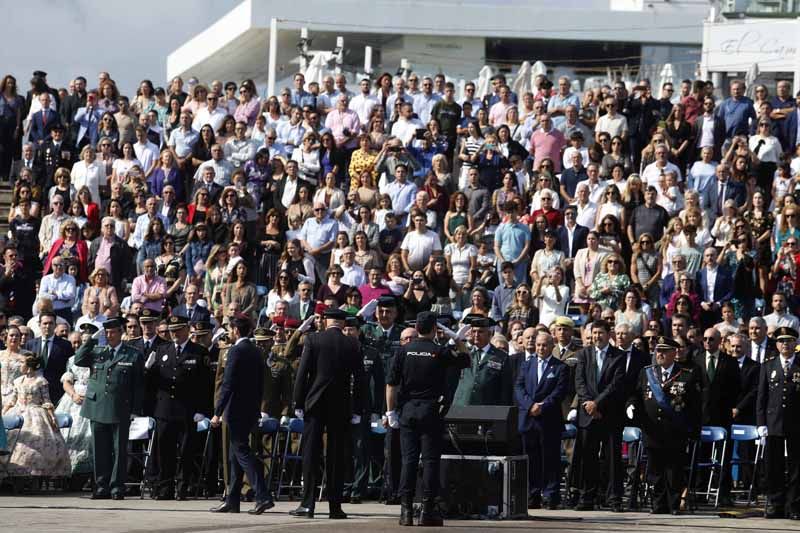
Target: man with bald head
[[541, 385]]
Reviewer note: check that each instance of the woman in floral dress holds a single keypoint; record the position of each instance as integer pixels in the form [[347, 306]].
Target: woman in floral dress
[[11, 363], [40, 449], [609, 287], [79, 437]]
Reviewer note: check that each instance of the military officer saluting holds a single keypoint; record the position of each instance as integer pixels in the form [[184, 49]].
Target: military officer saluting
[[776, 413], [278, 375], [669, 406], [114, 393], [180, 377], [488, 379]]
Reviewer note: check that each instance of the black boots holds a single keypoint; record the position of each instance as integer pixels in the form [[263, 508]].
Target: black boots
[[406, 514], [430, 516]]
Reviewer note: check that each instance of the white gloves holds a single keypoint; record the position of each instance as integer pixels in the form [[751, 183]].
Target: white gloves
[[369, 309], [355, 419], [151, 360], [572, 415], [307, 323], [97, 334], [375, 418], [284, 420], [394, 420], [461, 334], [298, 413], [198, 417], [629, 411], [762, 431]]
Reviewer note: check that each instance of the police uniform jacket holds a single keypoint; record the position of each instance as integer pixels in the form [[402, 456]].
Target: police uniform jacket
[[181, 381], [278, 378], [374, 376], [487, 380], [682, 391], [779, 398], [116, 382]]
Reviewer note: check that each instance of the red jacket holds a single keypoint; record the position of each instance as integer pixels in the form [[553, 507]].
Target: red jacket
[[83, 259]]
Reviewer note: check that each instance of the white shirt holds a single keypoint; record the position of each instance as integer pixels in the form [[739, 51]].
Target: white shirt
[[774, 320], [353, 275], [214, 118], [758, 351], [61, 290], [420, 246], [146, 153], [586, 214], [706, 137], [616, 125], [541, 366], [652, 172], [596, 191], [289, 191], [92, 176], [362, 105], [667, 372], [405, 129], [711, 279]]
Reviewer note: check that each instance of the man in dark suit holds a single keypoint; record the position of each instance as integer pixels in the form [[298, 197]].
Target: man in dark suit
[[42, 121], [30, 162], [189, 309], [40, 82], [119, 254], [600, 390], [278, 189], [720, 191], [54, 351], [571, 236], [541, 385], [239, 402], [745, 411], [719, 381], [776, 413], [206, 182], [762, 348], [716, 288], [181, 380], [789, 128], [635, 360], [331, 361], [718, 131]]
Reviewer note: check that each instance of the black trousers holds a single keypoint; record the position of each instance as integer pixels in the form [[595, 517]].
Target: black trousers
[[360, 452], [666, 472], [591, 439], [543, 449], [392, 463], [783, 493], [176, 438], [110, 456], [320, 420], [242, 461], [421, 430]]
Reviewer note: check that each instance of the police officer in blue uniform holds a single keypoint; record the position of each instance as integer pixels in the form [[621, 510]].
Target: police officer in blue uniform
[[416, 400]]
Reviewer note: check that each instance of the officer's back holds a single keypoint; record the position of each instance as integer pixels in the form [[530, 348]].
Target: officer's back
[[421, 368]]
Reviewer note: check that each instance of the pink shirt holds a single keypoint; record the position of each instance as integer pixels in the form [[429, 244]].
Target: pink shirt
[[497, 113], [247, 112], [547, 144], [103, 259], [141, 286], [338, 121]]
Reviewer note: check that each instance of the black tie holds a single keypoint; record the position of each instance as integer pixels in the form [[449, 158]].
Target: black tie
[[147, 347]]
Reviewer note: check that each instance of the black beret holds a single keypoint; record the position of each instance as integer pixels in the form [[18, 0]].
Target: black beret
[[335, 314]]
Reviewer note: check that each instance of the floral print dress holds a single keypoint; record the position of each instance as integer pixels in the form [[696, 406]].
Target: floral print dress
[[79, 437]]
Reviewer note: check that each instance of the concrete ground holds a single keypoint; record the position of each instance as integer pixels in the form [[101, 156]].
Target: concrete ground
[[43, 513]]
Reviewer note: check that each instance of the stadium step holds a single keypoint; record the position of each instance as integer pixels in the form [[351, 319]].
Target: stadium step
[[5, 205]]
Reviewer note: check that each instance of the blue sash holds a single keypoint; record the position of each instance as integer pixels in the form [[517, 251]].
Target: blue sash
[[663, 402]]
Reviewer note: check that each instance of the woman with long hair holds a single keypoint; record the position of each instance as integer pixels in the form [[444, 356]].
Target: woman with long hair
[[248, 106], [523, 308], [108, 132], [151, 245], [23, 193], [215, 277], [630, 312], [268, 251], [366, 224], [552, 294], [680, 131], [200, 204], [70, 247], [616, 156], [121, 165], [145, 98], [362, 160], [201, 151], [240, 291], [461, 259], [646, 268], [285, 290], [167, 172], [685, 287], [610, 204], [231, 211], [299, 265], [418, 296], [456, 216], [180, 228], [395, 278], [329, 194], [366, 194], [101, 287], [307, 158], [610, 284], [90, 207], [11, 107], [365, 256], [762, 223], [469, 148], [302, 207]]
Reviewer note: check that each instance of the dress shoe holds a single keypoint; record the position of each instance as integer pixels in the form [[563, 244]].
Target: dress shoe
[[101, 496], [430, 515], [406, 515], [393, 500], [225, 507], [355, 500], [675, 512], [337, 514], [584, 507], [260, 507], [617, 508], [302, 512], [534, 503], [774, 512], [117, 496], [794, 516]]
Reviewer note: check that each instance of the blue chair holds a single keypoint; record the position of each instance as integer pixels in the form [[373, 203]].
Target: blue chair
[[11, 423], [569, 433], [63, 420], [717, 437], [288, 459], [636, 458], [203, 426], [741, 434]]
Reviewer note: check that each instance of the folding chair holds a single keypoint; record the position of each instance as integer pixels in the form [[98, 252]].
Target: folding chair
[[570, 432], [293, 428], [11, 423], [741, 434], [204, 426], [718, 438], [269, 427], [635, 457], [142, 432]]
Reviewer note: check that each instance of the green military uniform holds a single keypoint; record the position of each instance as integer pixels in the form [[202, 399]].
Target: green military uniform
[[278, 382], [114, 393], [487, 381]]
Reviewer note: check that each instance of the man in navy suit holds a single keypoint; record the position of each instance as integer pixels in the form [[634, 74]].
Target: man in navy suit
[[43, 121], [716, 287], [541, 385], [190, 309], [239, 401], [54, 351], [721, 190]]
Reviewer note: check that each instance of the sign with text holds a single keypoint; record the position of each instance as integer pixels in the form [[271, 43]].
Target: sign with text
[[735, 46]]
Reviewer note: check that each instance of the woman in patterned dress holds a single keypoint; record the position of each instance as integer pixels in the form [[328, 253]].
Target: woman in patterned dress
[[78, 438]]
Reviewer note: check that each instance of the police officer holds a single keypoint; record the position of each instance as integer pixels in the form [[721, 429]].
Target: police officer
[[776, 411], [668, 403], [488, 379], [384, 338], [114, 393], [416, 388], [181, 379]]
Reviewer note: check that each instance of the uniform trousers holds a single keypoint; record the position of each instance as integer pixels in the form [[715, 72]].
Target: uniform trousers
[[782, 492], [421, 430], [176, 438], [360, 442], [110, 456], [666, 467], [324, 418], [392, 463], [243, 461]]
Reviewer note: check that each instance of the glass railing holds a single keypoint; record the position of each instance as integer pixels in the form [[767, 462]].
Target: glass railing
[[764, 8]]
